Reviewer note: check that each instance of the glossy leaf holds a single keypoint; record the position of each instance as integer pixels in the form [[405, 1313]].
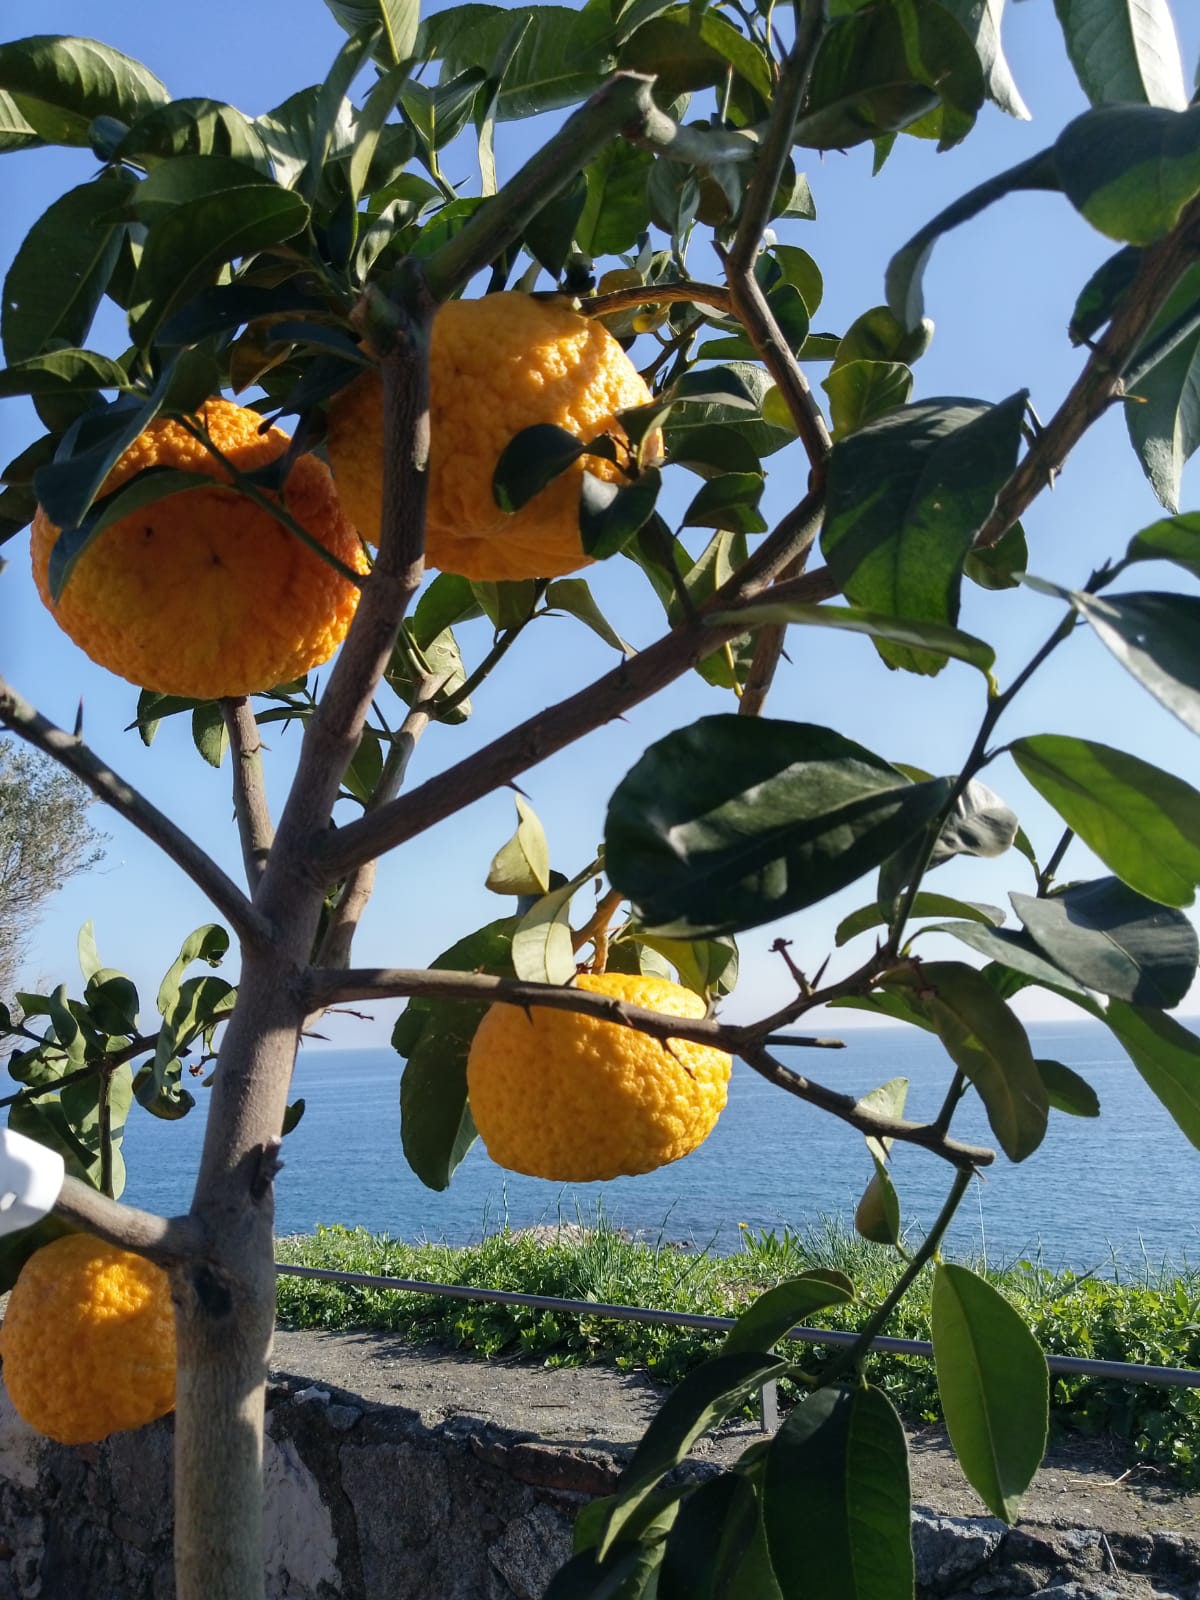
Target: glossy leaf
[[984, 1039], [434, 1037], [196, 127], [729, 501], [209, 733], [1124, 51], [704, 1398], [58, 84], [736, 820], [1167, 1055], [1130, 169], [777, 1311], [924, 905], [397, 21], [723, 397], [614, 212], [1114, 941], [61, 372], [1010, 949], [1067, 1091], [1163, 414], [690, 50], [1174, 539], [530, 460], [16, 131], [1155, 637], [860, 391], [708, 1539], [835, 1499], [1102, 293], [994, 1387], [878, 335], [907, 493], [562, 57], [611, 514], [1142, 822], [522, 866], [927, 636]]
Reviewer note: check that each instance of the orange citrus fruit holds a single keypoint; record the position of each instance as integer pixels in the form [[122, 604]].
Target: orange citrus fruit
[[497, 366], [205, 593], [89, 1340], [556, 1094]]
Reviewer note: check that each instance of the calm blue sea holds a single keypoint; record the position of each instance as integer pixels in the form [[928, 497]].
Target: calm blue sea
[[1118, 1191]]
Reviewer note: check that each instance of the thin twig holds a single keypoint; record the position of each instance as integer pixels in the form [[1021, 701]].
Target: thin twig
[[656, 294], [597, 924], [250, 925], [249, 789]]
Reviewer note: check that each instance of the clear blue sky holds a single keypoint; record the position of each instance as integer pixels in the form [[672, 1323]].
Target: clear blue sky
[[1000, 292]]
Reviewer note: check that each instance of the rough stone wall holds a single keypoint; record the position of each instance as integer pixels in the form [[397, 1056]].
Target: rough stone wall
[[369, 1502]]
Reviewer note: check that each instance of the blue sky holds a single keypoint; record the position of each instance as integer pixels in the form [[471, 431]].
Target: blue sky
[[1000, 292]]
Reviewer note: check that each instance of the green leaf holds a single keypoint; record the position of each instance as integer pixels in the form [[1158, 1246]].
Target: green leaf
[[688, 49], [1010, 949], [61, 372], [906, 495], [1154, 637], [730, 502], [16, 133], [877, 1215], [573, 596], [397, 20], [1124, 51], [186, 177], [924, 905], [289, 133], [155, 483], [59, 274], [982, 23], [1130, 169], [614, 213], [611, 514], [522, 866], [723, 397], [1114, 941], [1162, 410], [709, 967], [563, 55], [708, 1540], [209, 943], [194, 127], [876, 625], [366, 766], [984, 1039], [877, 335], [1142, 822], [994, 1387], [434, 1037], [530, 460], [860, 391], [186, 249], [704, 1398], [835, 1499], [58, 84], [1102, 293], [1168, 1057], [1174, 539], [734, 821], [1001, 565], [1067, 1091], [776, 1312], [541, 947], [550, 236]]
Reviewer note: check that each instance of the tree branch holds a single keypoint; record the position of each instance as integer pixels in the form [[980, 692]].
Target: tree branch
[[657, 294], [165, 1240], [255, 828], [250, 925]]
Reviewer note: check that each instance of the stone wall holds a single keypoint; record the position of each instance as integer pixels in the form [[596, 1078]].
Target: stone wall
[[367, 1500]]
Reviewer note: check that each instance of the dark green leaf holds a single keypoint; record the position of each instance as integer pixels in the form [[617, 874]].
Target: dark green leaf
[[550, 237], [522, 866], [1124, 51], [729, 501], [1102, 293], [611, 514], [775, 1313], [16, 1248], [174, 183], [291, 1117], [397, 21], [1067, 1091], [704, 1398], [736, 820], [726, 397], [689, 49], [864, 83], [860, 391], [194, 127], [1142, 822], [615, 211], [1001, 565], [447, 601], [1154, 636], [530, 460], [71, 372], [1014, 950], [924, 905], [787, 306], [59, 274], [1174, 539], [288, 132], [209, 943], [708, 1540], [573, 596], [982, 22], [994, 1387], [59, 84], [1114, 941], [906, 495], [434, 1037], [1130, 169], [1162, 411], [877, 335], [1168, 1057], [562, 57], [985, 1040], [898, 630], [835, 1499], [16, 133], [507, 605]]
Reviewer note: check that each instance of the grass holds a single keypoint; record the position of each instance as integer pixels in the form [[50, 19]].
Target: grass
[[1153, 1318]]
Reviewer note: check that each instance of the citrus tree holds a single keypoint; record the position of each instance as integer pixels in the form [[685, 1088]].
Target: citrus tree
[[536, 376]]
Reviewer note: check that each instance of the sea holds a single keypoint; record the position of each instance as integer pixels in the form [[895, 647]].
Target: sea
[[1118, 1194]]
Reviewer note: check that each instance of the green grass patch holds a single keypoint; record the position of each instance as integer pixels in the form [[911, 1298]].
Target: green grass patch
[[1153, 1319]]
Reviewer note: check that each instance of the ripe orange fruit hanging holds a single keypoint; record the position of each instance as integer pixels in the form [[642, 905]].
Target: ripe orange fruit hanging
[[205, 593], [556, 1094], [89, 1341], [497, 365]]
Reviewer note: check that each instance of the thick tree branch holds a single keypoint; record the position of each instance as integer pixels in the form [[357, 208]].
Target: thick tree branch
[[1102, 382], [166, 1240], [250, 925], [255, 828]]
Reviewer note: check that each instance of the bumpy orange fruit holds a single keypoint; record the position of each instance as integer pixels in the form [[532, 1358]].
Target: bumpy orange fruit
[[497, 366], [559, 1095], [89, 1341], [205, 593]]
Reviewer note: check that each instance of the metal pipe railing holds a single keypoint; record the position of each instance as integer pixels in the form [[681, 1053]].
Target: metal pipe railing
[[1075, 1366]]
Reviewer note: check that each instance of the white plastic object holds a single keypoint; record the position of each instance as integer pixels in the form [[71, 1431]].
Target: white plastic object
[[31, 1179]]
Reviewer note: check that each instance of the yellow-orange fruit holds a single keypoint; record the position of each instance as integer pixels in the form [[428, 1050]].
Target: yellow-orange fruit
[[205, 593], [89, 1341], [497, 366], [560, 1095]]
